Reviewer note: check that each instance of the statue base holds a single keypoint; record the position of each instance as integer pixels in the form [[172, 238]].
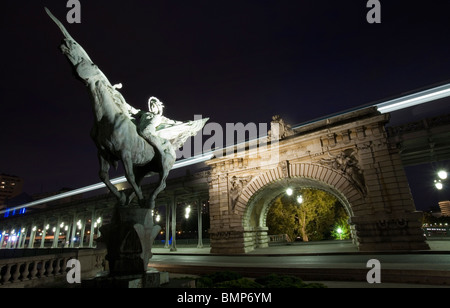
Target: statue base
[[150, 279], [128, 239]]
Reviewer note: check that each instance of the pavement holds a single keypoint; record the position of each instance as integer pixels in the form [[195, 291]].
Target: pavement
[[337, 264]]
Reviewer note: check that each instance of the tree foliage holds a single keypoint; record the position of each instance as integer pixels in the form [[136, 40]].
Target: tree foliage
[[312, 219]]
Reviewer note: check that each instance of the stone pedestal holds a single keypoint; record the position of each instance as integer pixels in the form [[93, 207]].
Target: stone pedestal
[[128, 240]]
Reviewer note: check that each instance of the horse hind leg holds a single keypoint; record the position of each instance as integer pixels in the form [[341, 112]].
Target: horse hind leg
[[133, 180], [104, 177], [139, 176]]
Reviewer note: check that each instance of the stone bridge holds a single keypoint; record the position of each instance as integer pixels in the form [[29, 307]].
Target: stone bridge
[[352, 156], [349, 156]]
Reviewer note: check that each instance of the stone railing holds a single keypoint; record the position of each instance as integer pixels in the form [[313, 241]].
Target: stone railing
[[279, 238], [48, 269]]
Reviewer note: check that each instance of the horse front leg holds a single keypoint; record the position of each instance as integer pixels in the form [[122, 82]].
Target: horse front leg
[[104, 177], [162, 185]]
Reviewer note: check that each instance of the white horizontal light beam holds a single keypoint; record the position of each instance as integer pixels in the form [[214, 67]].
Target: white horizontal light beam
[[180, 164], [414, 99]]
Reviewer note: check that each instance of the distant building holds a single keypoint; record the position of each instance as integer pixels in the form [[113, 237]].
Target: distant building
[[445, 208], [10, 187]]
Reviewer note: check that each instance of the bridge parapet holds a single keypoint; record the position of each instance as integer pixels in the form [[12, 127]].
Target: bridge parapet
[[47, 267]]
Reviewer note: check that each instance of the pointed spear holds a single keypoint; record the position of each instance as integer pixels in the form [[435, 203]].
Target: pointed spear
[[66, 33]]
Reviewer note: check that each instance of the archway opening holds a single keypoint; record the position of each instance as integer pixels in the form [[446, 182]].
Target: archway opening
[[256, 231], [308, 214]]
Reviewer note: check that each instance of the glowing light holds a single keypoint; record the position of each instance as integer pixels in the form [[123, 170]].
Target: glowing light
[[158, 218], [443, 174], [300, 199], [289, 192], [187, 212], [439, 185]]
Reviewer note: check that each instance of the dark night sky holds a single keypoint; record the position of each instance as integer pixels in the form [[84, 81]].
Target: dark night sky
[[232, 61]]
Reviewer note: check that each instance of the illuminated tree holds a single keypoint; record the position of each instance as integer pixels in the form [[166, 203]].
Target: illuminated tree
[[307, 213]]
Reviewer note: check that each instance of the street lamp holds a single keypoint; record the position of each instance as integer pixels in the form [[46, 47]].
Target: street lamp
[[187, 212], [442, 174], [339, 231]]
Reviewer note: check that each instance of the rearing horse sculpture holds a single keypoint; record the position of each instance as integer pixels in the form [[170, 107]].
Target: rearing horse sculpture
[[145, 142]]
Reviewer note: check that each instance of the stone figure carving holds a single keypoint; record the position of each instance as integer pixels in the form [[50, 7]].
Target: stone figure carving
[[143, 141], [348, 163], [279, 130], [237, 185]]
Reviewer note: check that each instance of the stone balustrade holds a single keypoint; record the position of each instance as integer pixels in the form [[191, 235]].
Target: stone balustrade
[[48, 269], [279, 238]]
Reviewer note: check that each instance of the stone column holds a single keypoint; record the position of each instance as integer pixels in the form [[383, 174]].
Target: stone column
[[44, 233], [74, 230], [2, 239], [82, 232], [56, 233], [9, 244], [200, 223], [99, 224], [23, 235], [91, 235], [173, 205], [32, 235], [168, 206]]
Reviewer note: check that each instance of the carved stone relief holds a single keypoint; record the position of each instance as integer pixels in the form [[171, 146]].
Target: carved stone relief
[[347, 162], [237, 185], [279, 130]]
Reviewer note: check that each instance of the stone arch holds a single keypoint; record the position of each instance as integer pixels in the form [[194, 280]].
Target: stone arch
[[256, 198]]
